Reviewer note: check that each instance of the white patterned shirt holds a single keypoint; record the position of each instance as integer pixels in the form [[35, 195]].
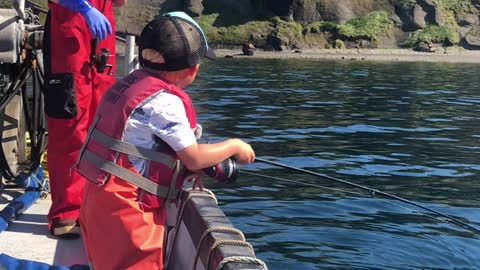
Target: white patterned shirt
[[163, 116]]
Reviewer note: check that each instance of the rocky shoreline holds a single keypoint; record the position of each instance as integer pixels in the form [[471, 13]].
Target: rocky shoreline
[[444, 55], [448, 55]]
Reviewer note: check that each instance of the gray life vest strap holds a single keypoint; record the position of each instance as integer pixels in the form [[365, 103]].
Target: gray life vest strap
[[127, 175], [172, 193], [132, 150]]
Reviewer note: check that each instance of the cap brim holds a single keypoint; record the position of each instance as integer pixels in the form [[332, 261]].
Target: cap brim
[[210, 54]]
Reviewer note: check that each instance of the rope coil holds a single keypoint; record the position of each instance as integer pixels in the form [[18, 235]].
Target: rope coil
[[214, 229], [226, 242], [241, 259], [191, 194]]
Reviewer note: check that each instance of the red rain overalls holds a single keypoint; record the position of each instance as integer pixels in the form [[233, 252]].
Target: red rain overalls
[[68, 74], [123, 227]]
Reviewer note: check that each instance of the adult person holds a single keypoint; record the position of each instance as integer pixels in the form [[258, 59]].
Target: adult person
[[144, 135], [75, 32]]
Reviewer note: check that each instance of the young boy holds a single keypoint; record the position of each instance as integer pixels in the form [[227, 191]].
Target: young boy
[[141, 143]]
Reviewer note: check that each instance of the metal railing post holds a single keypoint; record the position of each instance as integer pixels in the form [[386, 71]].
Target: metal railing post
[[131, 60]]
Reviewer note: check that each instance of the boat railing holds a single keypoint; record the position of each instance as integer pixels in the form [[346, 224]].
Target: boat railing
[[131, 60], [201, 237]]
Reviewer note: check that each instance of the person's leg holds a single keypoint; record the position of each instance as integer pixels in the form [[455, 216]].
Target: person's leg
[[65, 139], [120, 235], [83, 221]]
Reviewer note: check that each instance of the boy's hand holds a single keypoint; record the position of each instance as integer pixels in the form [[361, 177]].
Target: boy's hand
[[196, 177], [245, 153]]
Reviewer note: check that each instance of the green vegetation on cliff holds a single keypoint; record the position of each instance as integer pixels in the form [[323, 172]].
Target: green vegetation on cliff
[[250, 32], [289, 30], [434, 21], [457, 7], [360, 30], [369, 27], [446, 34], [319, 27], [434, 34]]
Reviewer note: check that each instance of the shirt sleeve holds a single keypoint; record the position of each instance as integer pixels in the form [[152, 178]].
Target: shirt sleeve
[[168, 121]]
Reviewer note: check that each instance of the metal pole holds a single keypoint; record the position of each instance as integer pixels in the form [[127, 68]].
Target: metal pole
[[131, 61]]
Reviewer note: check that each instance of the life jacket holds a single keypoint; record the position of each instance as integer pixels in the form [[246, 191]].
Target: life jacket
[[105, 154]]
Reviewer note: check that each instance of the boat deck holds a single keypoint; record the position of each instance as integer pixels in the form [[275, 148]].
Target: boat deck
[[27, 237], [203, 237]]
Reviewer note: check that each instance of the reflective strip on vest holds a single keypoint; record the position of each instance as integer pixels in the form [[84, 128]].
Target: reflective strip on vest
[[132, 150], [127, 175]]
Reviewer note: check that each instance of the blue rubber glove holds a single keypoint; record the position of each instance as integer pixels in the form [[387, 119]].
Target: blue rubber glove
[[97, 23]]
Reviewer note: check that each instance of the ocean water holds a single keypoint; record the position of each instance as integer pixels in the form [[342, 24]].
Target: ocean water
[[409, 129]]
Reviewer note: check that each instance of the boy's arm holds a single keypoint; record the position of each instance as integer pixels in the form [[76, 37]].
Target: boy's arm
[[168, 121], [98, 24], [200, 156]]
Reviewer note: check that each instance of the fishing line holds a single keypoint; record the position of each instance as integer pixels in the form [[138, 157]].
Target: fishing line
[[372, 192], [338, 190], [302, 183]]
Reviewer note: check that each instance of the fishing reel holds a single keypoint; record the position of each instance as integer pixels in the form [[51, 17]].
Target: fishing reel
[[101, 60], [225, 172]]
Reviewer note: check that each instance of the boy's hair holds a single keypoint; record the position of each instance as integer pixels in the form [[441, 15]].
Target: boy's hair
[[178, 39]]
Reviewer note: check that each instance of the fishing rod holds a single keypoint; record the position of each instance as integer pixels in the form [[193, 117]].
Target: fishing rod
[[336, 190], [372, 192]]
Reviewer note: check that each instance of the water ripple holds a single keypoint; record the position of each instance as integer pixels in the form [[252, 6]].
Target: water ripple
[[410, 129]]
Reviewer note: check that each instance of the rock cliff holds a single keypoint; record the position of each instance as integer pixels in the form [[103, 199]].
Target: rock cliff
[[296, 24]]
